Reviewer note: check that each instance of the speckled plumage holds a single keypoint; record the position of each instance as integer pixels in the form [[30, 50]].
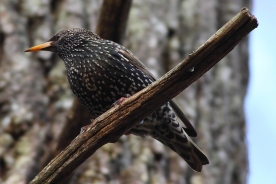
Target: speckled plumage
[[100, 72]]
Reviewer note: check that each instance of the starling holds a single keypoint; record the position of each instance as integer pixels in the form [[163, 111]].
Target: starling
[[100, 72]]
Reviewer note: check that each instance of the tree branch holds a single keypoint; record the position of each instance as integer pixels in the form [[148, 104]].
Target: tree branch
[[112, 124], [112, 20]]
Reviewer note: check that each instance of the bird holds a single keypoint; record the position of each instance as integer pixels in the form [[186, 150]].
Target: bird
[[101, 72]]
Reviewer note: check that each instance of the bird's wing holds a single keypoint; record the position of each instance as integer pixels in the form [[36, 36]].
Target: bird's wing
[[133, 60], [189, 129]]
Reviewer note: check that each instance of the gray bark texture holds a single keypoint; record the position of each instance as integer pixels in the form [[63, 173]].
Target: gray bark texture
[[35, 97]]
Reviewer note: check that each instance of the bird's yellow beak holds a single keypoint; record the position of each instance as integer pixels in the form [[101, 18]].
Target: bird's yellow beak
[[39, 47]]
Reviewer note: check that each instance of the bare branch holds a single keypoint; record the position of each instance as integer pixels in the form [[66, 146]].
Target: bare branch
[[112, 20], [112, 124]]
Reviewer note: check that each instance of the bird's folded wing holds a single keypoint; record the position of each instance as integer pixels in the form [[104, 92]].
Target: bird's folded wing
[[189, 129]]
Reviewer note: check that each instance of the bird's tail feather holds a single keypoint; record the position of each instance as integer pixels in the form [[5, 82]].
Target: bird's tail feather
[[186, 148]]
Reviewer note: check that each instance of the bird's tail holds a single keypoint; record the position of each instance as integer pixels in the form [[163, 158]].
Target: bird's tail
[[182, 144], [164, 126], [173, 136]]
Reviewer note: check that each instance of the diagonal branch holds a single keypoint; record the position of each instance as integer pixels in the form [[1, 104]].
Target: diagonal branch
[[112, 124]]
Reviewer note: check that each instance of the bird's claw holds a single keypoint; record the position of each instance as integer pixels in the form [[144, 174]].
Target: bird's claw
[[118, 102], [83, 129]]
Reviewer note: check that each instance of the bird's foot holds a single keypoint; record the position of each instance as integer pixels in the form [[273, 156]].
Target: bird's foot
[[118, 102], [83, 129]]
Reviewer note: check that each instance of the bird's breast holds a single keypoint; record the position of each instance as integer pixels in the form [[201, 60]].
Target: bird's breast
[[98, 83]]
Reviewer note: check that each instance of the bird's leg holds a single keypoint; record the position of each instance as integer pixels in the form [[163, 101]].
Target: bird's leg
[[118, 102]]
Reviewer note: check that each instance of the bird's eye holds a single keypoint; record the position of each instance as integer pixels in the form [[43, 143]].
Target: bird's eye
[[57, 37]]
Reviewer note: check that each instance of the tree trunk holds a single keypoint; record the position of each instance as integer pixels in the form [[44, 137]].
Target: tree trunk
[[35, 97]]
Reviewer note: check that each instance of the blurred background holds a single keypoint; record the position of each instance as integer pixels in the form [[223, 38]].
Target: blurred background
[[230, 106]]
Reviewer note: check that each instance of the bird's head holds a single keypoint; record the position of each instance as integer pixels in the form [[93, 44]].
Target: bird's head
[[66, 41]]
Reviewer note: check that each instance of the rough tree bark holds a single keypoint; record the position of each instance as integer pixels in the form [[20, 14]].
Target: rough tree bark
[[35, 97]]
